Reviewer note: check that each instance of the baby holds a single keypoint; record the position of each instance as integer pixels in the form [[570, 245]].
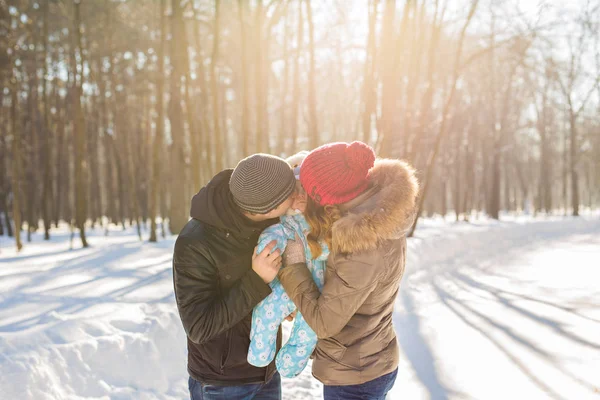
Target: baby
[[269, 313]]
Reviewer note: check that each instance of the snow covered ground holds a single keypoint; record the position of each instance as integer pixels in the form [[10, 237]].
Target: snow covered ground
[[488, 310]]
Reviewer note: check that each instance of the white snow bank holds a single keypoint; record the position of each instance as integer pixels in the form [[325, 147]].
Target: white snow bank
[[93, 323], [135, 355]]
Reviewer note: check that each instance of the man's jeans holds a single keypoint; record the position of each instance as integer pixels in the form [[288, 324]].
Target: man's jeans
[[260, 391], [373, 390]]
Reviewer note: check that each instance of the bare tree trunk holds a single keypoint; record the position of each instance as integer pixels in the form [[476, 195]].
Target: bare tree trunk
[[262, 134], [573, 147], [522, 183], [227, 148], [545, 171], [369, 75], [30, 122], [506, 186], [202, 86], [79, 133], [441, 202], [60, 156], [458, 178], [565, 173], [495, 186], [296, 90], [494, 194], [159, 134], [178, 215], [313, 130], [93, 155], [282, 134], [3, 159], [245, 131], [68, 207], [470, 186], [195, 132], [112, 166], [144, 142], [215, 89], [589, 184], [119, 167], [47, 194], [133, 178], [16, 175], [388, 98]]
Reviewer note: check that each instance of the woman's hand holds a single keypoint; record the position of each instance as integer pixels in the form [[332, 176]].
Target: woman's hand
[[294, 252]]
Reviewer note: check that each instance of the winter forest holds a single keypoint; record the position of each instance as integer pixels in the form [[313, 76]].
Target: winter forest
[[117, 112]]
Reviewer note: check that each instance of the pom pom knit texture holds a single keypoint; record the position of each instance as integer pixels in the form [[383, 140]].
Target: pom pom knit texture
[[337, 173]]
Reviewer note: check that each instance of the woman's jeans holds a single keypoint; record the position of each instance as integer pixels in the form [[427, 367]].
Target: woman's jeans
[[260, 391], [376, 389]]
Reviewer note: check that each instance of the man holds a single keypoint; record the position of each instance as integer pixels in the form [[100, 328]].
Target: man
[[219, 277]]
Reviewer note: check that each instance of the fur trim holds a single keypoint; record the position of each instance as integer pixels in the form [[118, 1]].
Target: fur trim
[[385, 215]]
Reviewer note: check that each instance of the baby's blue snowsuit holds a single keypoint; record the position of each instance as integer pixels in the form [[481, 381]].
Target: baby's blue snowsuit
[[269, 313]]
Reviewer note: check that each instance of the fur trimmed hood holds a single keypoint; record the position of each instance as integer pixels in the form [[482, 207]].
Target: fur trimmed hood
[[385, 211]]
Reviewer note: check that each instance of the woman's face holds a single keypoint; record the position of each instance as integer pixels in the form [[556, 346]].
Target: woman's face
[[299, 202]]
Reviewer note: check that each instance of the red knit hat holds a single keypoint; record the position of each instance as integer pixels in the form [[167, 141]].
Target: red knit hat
[[337, 172]]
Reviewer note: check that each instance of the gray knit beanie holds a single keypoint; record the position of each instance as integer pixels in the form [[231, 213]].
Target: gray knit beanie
[[261, 182]]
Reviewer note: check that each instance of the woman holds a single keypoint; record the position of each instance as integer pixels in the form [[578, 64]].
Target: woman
[[361, 208]]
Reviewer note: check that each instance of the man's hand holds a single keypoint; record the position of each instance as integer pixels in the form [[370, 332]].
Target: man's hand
[[291, 316], [267, 264]]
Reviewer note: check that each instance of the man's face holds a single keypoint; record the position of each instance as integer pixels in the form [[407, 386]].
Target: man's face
[[275, 213], [281, 209], [296, 201]]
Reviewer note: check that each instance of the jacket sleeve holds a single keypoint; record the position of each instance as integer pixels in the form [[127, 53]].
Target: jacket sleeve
[[346, 288], [205, 310]]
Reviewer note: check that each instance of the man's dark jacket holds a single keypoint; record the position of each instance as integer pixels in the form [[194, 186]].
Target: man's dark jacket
[[216, 288]]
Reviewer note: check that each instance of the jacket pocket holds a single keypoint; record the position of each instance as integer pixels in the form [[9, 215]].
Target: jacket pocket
[[227, 350], [338, 353], [239, 342]]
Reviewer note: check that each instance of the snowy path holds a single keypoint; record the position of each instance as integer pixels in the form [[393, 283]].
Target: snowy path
[[487, 311], [502, 312]]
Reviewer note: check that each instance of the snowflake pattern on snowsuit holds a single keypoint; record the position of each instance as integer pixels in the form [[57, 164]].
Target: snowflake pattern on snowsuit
[[270, 313]]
